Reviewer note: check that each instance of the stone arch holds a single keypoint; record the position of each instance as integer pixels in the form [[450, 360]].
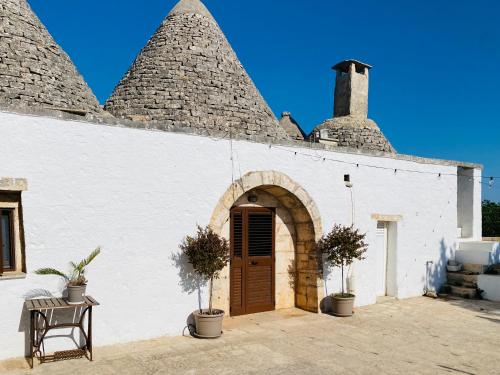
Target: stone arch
[[304, 219]]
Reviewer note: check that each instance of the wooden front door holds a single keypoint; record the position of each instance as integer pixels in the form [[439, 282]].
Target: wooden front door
[[252, 260]]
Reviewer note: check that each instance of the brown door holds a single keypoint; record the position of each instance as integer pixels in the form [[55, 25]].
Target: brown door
[[252, 260]]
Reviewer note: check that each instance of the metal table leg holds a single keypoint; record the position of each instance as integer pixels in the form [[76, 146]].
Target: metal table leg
[[89, 332], [32, 338]]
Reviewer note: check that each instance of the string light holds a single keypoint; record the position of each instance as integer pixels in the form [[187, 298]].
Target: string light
[[396, 170], [490, 182]]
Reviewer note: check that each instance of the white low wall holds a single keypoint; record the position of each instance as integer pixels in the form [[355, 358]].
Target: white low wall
[[136, 193], [490, 284]]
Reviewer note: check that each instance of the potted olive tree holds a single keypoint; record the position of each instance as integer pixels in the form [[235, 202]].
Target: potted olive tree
[[76, 282], [209, 254], [341, 246]]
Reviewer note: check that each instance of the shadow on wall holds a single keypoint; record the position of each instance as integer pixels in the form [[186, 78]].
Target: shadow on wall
[[52, 317], [326, 304], [436, 271], [495, 254], [190, 282], [292, 275]]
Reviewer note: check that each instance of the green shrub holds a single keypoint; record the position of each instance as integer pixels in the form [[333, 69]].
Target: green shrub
[[491, 219], [209, 254], [77, 275], [342, 245]]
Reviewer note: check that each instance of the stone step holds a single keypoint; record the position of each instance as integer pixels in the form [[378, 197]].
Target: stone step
[[494, 269], [475, 268], [466, 279], [463, 292]]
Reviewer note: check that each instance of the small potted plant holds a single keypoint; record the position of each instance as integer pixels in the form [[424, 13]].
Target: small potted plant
[[341, 246], [209, 254], [76, 282]]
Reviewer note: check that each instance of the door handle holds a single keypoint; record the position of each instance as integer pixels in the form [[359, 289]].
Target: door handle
[[254, 263]]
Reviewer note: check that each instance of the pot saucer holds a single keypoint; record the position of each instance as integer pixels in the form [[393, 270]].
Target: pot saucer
[[206, 337]]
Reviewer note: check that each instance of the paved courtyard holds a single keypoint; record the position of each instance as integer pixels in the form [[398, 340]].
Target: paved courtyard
[[415, 336]]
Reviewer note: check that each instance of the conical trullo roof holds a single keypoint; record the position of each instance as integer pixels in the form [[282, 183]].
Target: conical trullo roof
[[291, 126], [188, 75], [34, 70]]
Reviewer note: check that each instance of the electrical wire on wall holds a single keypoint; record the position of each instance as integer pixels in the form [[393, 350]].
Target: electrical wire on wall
[[320, 155], [352, 207]]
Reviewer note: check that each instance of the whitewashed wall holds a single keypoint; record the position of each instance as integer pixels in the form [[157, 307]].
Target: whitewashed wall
[[136, 193]]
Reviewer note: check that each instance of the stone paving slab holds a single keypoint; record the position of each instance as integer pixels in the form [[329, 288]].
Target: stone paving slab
[[415, 336]]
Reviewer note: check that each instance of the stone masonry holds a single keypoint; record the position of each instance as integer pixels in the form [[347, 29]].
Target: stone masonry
[[34, 70], [187, 78], [350, 126], [188, 75], [351, 89], [291, 126], [354, 132]]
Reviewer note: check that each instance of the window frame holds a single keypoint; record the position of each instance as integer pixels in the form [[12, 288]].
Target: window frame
[[12, 244], [12, 201]]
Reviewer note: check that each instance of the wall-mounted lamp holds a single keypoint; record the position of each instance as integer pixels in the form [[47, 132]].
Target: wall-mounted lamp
[[252, 198], [347, 181]]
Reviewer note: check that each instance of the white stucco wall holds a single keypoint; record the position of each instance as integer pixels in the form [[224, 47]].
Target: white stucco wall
[[490, 284], [136, 193], [469, 203], [477, 221]]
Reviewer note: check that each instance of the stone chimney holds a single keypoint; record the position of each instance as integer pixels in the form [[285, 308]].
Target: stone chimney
[[351, 89]]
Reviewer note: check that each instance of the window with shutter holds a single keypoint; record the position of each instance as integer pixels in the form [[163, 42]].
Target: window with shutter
[[12, 262], [7, 261]]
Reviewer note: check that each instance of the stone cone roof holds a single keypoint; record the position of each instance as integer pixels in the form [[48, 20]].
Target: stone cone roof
[[189, 76], [291, 126], [353, 132], [34, 70]]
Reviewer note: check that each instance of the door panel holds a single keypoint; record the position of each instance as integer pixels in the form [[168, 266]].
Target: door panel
[[381, 258], [237, 276], [252, 260], [260, 296]]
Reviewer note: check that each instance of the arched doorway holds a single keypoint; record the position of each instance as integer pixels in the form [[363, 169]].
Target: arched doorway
[[297, 268]]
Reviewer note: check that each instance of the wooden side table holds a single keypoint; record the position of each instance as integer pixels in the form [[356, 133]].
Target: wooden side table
[[38, 309]]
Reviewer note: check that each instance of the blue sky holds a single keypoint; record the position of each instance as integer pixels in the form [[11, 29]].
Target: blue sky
[[434, 86]]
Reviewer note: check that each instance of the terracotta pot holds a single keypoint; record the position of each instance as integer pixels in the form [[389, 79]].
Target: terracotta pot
[[343, 304], [76, 294], [208, 326]]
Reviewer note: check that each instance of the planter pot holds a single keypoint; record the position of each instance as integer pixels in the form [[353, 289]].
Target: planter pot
[[454, 268], [343, 304], [208, 326], [76, 294]]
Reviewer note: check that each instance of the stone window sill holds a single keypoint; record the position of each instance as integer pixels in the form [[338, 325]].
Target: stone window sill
[[12, 276]]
